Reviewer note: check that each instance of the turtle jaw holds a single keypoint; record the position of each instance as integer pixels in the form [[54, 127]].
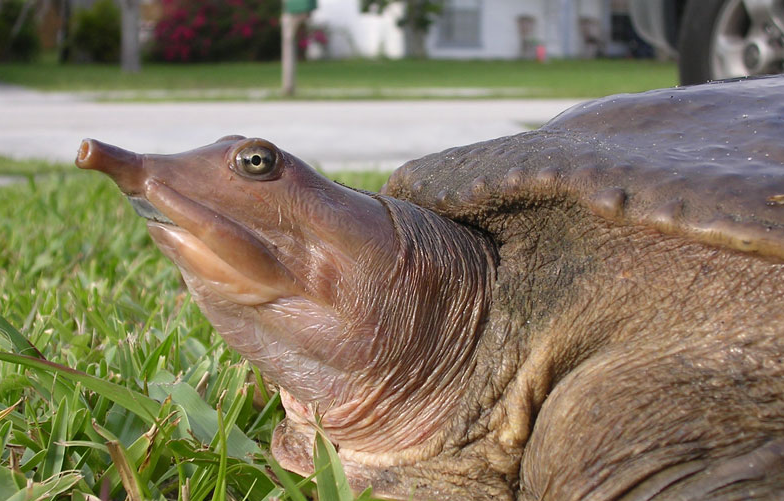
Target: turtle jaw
[[192, 256], [232, 261]]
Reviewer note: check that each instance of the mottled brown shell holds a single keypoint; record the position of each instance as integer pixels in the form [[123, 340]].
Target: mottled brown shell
[[705, 162]]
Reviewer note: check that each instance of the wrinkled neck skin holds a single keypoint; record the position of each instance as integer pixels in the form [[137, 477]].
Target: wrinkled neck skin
[[424, 315], [380, 341]]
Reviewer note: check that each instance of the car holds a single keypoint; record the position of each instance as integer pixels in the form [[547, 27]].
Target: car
[[714, 39]]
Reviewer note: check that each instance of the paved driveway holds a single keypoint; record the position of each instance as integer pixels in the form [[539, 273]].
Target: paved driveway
[[331, 134]]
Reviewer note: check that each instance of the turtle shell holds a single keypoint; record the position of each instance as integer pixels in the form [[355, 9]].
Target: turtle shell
[[705, 162]]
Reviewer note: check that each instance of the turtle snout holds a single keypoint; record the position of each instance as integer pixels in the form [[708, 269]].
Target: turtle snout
[[125, 167]]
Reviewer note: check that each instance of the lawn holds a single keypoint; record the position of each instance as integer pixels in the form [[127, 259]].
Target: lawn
[[353, 78], [115, 333]]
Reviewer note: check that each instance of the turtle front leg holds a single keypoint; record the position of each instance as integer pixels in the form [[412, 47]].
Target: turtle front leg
[[679, 422]]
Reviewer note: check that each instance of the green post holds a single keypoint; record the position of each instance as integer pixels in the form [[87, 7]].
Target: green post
[[298, 6]]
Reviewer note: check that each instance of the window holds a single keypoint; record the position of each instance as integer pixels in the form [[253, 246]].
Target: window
[[458, 25]]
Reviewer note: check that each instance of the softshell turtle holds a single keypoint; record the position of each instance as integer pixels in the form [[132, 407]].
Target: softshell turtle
[[592, 310]]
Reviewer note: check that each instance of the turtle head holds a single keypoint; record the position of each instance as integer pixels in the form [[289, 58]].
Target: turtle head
[[354, 304], [267, 246]]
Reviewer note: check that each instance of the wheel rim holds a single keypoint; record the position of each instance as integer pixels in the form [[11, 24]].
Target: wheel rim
[[748, 39]]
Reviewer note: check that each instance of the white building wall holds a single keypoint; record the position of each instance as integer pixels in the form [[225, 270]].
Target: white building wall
[[499, 34], [352, 33], [556, 27]]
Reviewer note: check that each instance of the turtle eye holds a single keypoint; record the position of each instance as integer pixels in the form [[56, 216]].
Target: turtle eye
[[256, 161]]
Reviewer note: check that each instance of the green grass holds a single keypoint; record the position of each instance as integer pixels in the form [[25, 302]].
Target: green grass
[[357, 78], [15, 167], [135, 382]]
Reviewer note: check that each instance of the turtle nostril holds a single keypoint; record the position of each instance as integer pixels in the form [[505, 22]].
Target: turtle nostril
[[125, 167], [83, 153]]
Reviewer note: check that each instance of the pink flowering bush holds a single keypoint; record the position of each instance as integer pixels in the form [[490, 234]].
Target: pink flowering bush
[[312, 36], [212, 30]]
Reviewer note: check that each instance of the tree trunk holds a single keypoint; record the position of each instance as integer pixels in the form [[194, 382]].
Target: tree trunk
[[415, 42], [63, 47], [20, 20], [130, 54], [415, 26]]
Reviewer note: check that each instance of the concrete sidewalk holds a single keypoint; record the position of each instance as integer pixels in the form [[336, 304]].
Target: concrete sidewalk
[[330, 134]]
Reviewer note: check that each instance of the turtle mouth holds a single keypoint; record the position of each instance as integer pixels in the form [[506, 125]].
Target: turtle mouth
[[229, 259], [198, 262], [148, 211]]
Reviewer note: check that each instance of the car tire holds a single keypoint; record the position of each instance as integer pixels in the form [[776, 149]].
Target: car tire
[[730, 38], [695, 40]]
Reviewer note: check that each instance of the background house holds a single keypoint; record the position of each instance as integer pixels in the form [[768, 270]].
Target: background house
[[352, 33], [479, 29]]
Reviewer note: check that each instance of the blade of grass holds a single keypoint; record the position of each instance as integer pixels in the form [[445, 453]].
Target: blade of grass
[[55, 451], [7, 482], [127, 473], [203, 418], [252, 479], [144, 406], [5, 412], [81, 496], [158, 434], [21, 344], [47, 490], [331, 480], [220, 483], [275, 494], [260, 384], [267, 417], [21, 438], [33, 461], [86, 443], [5, 434], [49, 386], [231, 379], [151, 364], [366, 495], [231, 415], [272, 405], [130, 274], [203, 483], [113, 476], [285, 478]]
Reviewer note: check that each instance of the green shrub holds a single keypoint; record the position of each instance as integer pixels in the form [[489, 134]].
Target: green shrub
[[96, 33], [24, 45]]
